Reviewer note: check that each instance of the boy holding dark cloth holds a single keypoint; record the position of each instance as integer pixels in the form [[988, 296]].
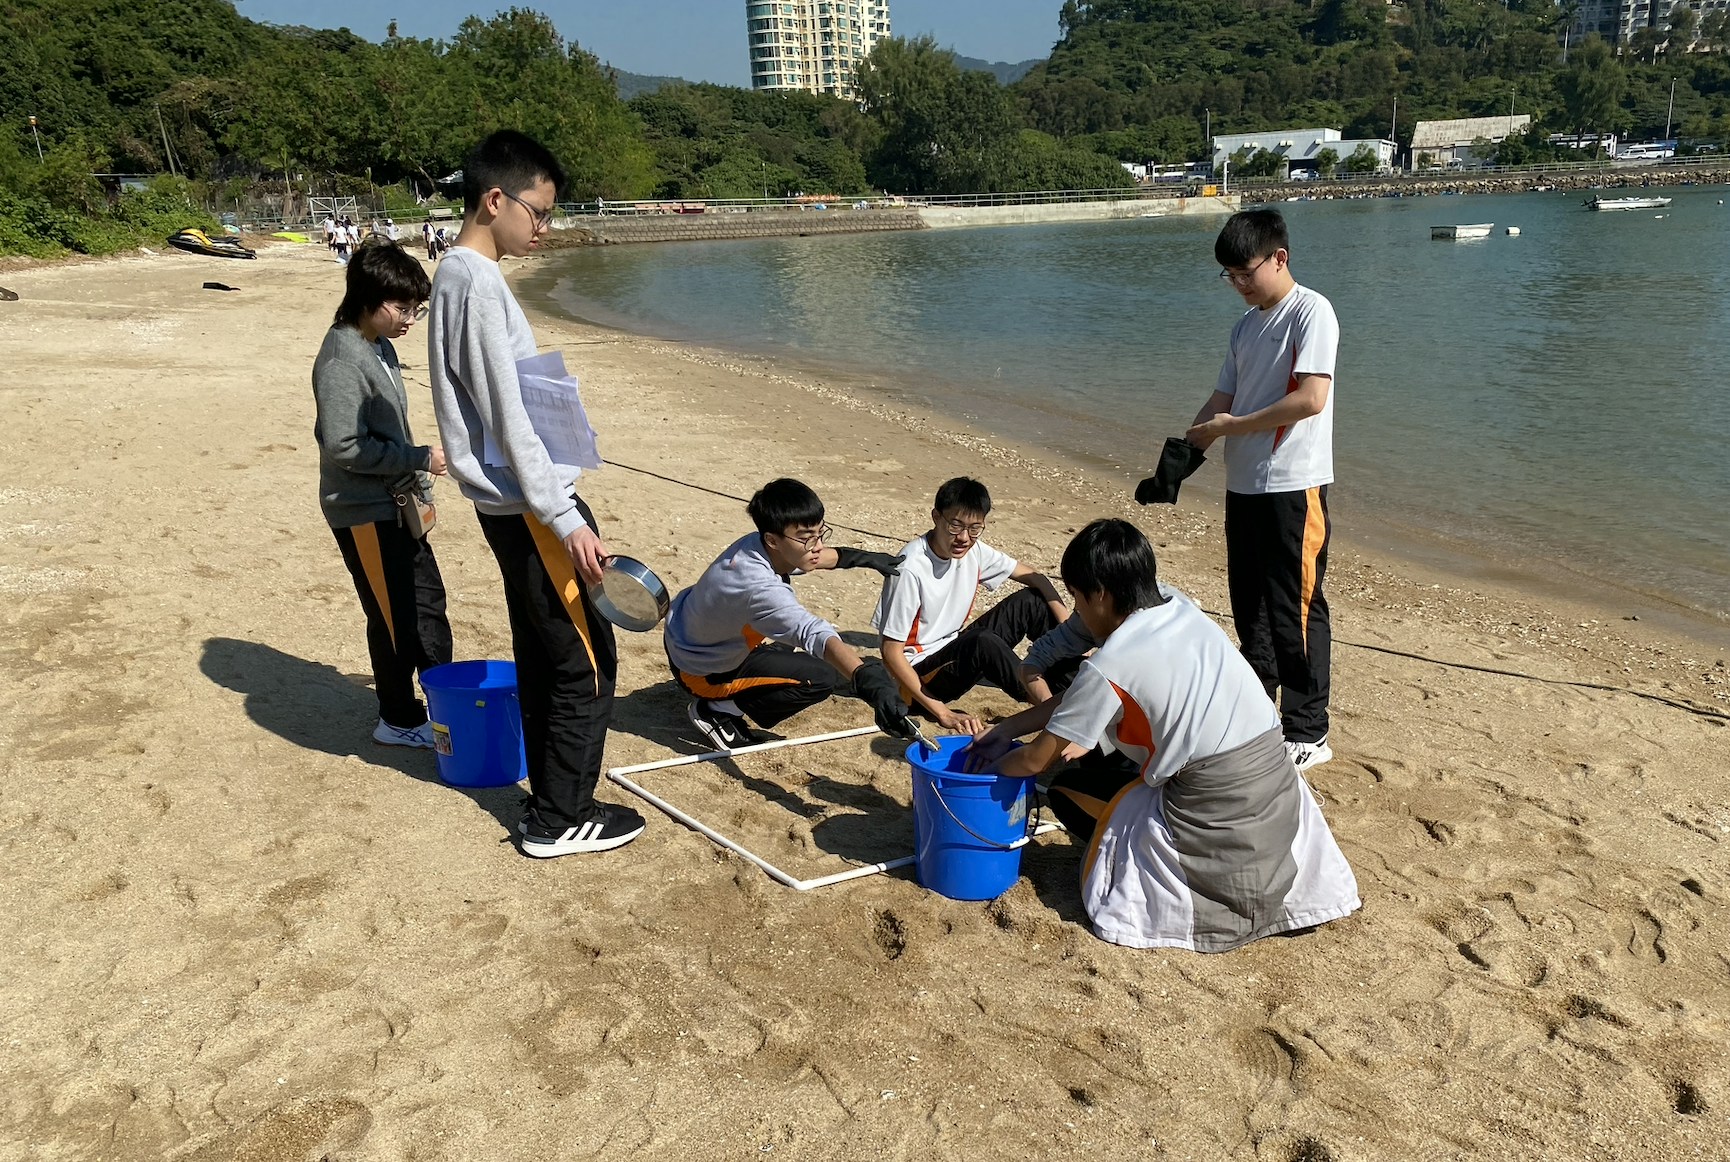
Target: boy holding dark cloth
[[541, 532], [1274, 407]]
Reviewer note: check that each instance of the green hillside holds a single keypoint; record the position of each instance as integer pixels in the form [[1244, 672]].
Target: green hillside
[[1139, 78]]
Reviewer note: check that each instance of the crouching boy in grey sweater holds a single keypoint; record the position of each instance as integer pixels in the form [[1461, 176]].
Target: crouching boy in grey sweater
[[544, 536]]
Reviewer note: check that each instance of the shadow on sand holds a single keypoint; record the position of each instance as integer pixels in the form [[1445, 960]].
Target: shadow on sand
[[320, 708]]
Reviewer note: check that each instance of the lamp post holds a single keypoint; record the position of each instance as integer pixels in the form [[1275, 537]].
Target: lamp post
[[38, 138], [1394, 129]]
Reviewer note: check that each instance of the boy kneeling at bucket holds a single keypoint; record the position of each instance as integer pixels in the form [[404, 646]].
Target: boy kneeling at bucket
[[1200, 834]]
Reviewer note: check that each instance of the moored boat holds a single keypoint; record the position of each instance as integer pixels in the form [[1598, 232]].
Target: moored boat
[[1627, 203], [1471, 230]]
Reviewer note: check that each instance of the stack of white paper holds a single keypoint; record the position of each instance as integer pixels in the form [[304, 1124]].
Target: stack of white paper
[[555, 409]]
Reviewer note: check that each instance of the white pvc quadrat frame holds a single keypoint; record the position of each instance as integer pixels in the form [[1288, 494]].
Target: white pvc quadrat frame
[[618, 775]]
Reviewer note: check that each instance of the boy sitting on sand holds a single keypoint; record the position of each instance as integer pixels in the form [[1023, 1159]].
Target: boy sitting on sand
[[731, 637], [1207, 837], [922, 614]]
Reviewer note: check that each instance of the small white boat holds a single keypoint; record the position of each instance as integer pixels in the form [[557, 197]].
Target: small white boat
[[1474, 230], [1513, 231], [1627, 203]]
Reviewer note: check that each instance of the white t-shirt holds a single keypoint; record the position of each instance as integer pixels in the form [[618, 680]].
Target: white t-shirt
[[927, 603], [1165, 689], [1297, 336]]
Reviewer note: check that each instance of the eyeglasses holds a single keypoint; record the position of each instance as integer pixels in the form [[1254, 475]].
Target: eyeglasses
[[1243, 277], [956, 528], [541, 218], [821, 536], [412, 314]]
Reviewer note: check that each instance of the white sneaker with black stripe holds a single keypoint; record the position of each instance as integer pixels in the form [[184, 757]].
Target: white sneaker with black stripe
[[724, 731], [1305, 755], [613, 826], [416, 736]]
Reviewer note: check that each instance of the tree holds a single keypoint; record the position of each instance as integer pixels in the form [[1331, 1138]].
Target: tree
[[1327, 161], [941, 130], [1591, 87], [1683, 21], [1364, 159]]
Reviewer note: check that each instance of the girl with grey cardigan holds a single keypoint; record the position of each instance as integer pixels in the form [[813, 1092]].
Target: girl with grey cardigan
[[364, 448]]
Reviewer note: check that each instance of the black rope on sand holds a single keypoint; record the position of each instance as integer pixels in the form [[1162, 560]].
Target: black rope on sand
[[740, 499], [1661, 699]]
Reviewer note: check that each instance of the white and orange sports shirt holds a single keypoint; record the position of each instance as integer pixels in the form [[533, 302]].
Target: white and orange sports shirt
[[1270, 351], [1167, 688], [927, 603]]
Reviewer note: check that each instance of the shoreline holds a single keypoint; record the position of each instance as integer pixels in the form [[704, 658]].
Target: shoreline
[[241, 929], [1384, 537]]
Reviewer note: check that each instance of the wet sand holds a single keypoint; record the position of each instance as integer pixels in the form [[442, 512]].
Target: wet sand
[[235, 928]]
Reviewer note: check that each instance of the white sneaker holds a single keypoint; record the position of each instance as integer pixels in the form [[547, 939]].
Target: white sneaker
[[415, 736], [1305, 755]]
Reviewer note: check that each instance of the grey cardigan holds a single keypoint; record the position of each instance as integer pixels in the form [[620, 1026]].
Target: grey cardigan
[[362, 428]]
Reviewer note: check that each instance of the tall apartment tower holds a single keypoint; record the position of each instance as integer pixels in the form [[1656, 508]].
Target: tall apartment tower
[[814, 45]]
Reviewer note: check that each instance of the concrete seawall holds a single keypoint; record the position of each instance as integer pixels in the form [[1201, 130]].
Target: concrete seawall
[[717, 225], [949, 217], [722, 224]]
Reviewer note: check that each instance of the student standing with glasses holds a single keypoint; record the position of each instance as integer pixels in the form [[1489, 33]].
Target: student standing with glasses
[[365, 448], [546, 540], [741, 644], [1274, 405]]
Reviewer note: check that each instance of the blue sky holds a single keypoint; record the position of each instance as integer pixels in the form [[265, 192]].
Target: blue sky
[[701, 40]]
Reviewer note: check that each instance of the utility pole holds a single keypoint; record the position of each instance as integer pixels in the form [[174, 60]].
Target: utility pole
[[1207, 139], [1668, 113], [1394, 129], [38, 138], [167, 151]]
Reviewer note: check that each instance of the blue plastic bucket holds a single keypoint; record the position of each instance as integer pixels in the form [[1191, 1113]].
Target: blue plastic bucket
[[968, 830], [476, 722]]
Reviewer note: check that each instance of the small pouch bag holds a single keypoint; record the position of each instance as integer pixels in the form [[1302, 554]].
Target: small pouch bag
[[414, 506]]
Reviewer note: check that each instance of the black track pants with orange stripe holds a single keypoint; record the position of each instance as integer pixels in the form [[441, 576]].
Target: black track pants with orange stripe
[[1081, 795], [397, 578], [1276, 552], [774, 683], [566, 665]]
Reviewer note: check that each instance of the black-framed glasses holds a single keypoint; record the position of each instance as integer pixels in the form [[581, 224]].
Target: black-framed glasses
[[412, 314], [541, 218], [820, 537], [1243, 277], [956, 528]]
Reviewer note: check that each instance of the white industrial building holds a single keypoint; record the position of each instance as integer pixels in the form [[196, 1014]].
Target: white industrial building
[[814, 45], [1449, 143], [1300, 148]]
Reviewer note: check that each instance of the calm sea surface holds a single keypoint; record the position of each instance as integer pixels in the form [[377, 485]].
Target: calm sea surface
[[1559, 396]]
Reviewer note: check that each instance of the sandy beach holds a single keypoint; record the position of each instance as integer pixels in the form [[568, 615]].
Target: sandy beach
[[234, 928]]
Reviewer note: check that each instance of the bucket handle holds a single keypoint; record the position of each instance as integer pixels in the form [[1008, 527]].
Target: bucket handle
[[937, 792]]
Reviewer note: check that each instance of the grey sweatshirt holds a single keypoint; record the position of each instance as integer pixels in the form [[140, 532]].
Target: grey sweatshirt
[[709, 627], [362, 428], [476, 333], [1072, 639]]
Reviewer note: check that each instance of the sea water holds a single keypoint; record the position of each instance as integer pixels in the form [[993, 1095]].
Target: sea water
[[1559, 396]]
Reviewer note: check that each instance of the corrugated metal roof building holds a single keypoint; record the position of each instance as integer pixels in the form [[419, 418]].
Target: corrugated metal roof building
[[1447, 141]]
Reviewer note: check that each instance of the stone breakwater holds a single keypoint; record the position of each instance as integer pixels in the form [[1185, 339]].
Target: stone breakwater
[[1606, 179]]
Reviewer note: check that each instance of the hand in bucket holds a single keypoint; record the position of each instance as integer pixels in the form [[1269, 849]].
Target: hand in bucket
[[987, 748]]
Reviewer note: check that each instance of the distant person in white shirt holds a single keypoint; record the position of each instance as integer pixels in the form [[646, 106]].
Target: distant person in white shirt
[[1200, 833], [922, 615], [1274, 405]]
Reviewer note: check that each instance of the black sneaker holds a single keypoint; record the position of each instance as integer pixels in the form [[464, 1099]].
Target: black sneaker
[[611, 826], [724, 731]]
